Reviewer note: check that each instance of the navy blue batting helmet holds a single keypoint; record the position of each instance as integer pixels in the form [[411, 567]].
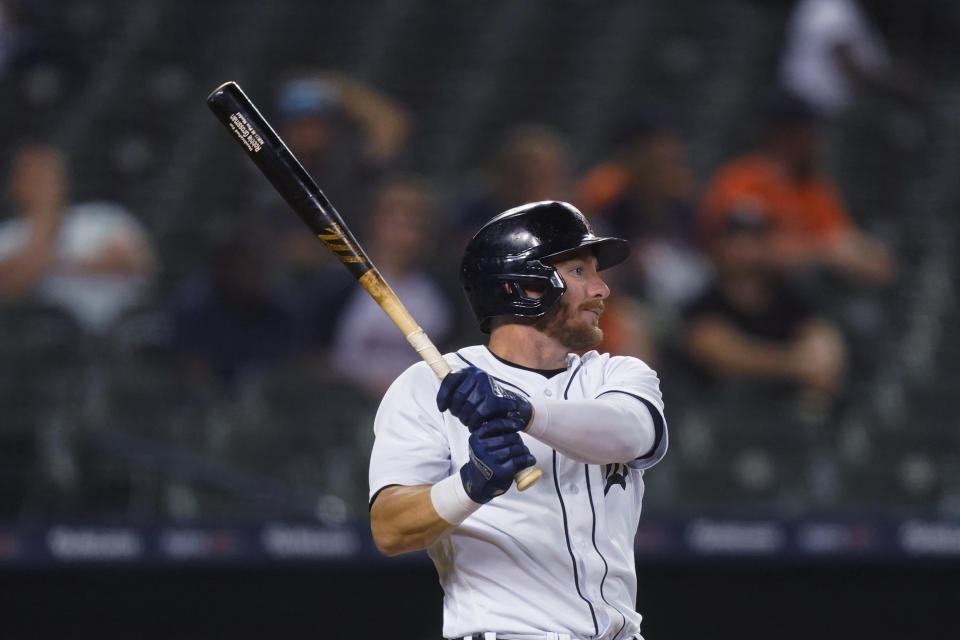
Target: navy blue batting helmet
[[513, 252]]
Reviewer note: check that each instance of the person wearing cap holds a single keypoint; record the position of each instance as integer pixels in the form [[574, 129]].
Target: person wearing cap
[[783, 178], [310, 109], [752, 324], [347, 135]]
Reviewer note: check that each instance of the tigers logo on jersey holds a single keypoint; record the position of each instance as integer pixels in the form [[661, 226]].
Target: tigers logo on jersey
[[615, 473]]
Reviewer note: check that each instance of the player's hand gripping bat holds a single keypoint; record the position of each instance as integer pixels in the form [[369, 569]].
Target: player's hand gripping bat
[[271, 155]]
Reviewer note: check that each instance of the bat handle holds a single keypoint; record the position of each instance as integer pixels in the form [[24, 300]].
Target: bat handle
[[419, 340], [526, 477]]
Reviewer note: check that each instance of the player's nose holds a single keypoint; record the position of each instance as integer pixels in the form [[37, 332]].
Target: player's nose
[[598, 288]]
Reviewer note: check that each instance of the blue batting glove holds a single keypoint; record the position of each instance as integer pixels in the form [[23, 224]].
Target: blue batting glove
[[496, 454], [474, 397]]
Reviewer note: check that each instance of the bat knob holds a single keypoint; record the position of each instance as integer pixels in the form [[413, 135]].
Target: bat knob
[[527, 477]]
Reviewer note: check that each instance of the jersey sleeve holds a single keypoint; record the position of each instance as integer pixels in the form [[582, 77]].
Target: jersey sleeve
[[410, 444], [629, 376]]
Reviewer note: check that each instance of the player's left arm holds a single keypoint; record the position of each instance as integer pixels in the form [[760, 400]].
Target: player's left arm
[[635, 388], [622, 423], [615, 427]]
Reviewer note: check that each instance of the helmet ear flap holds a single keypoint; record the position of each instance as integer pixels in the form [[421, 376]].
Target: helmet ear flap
[[530, 295], [516, 289]]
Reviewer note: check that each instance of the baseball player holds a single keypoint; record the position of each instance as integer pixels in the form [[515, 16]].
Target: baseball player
[[556, 561]]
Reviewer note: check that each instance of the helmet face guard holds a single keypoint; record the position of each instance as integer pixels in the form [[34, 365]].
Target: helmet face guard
[[510, 291], [511, 254]]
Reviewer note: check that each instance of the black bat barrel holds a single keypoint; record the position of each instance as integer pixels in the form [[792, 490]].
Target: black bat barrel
[[275, 160]]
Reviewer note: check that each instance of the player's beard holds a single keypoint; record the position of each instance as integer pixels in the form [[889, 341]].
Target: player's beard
[[565, 325]]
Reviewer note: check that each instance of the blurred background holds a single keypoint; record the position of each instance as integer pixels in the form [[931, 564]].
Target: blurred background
[[188, 381]]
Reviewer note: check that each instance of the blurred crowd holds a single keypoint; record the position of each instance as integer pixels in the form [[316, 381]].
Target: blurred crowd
[[744, 277]]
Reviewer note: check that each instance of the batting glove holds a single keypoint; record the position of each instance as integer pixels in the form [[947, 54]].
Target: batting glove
[[474, 397], [496, 454]]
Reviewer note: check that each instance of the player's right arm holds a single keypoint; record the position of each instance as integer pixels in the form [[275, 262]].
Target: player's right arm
[[411, 518], [404, 519], [415, 499]]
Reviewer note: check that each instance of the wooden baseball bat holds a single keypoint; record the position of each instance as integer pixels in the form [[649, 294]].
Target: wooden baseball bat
[[275, 160]]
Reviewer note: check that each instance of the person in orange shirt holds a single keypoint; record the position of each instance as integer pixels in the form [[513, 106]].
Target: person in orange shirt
[[782, 180], [645, 192]]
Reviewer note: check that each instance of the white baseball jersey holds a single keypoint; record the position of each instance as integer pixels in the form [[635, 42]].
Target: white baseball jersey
[[556, 558]]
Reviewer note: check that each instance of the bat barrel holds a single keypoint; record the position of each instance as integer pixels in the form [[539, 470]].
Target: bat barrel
[[275, 160]]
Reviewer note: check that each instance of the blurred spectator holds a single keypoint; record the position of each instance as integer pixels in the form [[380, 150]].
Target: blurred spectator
[[92, 259], [832, 48], [647, 196], [319, 117], [232, 319], [752, 324], [783, 179], [367, 347], [531, 164]]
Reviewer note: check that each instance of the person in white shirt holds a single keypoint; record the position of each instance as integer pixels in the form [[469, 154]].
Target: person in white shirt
[[91, 259], [556, 561], [831, 46], [365, 346]]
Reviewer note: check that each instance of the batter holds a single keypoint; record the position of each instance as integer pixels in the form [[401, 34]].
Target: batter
[[554, 562]]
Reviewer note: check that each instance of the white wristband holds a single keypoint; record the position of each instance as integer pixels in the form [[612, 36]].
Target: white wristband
[[450, 500], [539, 420]]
